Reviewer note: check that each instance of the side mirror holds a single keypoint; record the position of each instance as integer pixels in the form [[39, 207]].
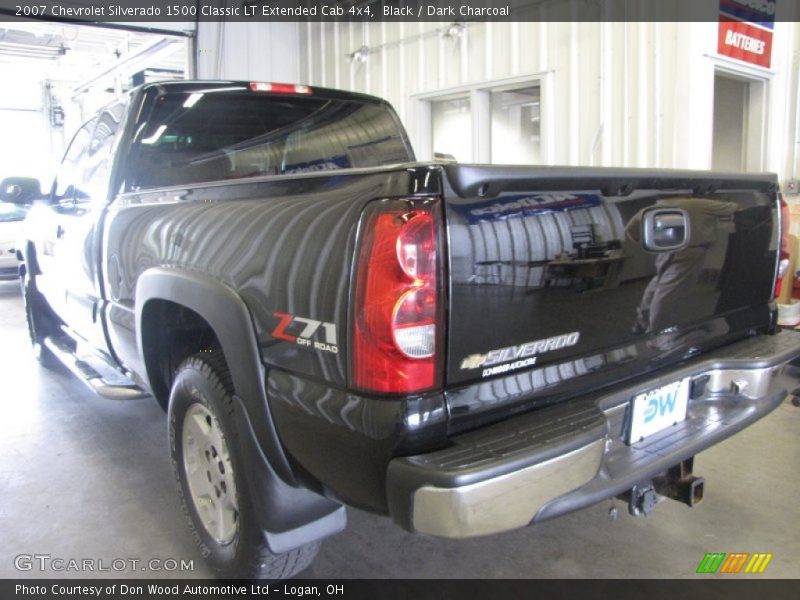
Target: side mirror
[[20, 190]]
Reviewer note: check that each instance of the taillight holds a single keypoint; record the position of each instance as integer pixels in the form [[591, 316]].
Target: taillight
[[279, 88], [783, 245], [398, 329]]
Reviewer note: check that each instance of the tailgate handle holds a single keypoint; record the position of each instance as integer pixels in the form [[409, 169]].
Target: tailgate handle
[[665, 229]]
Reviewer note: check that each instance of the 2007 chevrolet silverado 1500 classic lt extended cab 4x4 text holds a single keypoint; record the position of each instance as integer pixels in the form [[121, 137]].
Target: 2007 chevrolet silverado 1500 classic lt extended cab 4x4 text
[[468, 349]]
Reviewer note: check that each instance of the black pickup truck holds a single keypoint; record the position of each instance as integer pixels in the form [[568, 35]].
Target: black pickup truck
[[466, 348]]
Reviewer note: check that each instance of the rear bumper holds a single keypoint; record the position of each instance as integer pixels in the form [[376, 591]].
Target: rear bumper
[[559, 459]]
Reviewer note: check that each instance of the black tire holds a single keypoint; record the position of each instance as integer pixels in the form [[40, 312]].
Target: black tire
[[41, 322], [202, 385]]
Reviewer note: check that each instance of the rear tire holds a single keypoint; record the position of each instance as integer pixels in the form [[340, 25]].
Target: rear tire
[[211, 477]]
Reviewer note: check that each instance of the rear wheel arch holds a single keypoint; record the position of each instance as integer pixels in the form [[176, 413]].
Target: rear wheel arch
[[169, 300], [207, 306], [170, 333]]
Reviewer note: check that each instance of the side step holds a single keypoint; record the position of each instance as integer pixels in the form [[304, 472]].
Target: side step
[[103, 380]]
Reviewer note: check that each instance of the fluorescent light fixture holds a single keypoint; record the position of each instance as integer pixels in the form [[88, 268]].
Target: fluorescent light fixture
[[193, 99], [222, 89], [31, 51], [154, 138]]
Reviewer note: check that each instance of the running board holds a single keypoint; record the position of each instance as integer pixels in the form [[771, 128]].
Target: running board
[[113, 385]]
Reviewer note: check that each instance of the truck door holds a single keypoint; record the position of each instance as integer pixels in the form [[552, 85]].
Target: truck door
[[70, 234]]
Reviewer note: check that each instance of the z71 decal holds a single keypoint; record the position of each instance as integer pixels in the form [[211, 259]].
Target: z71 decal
[[309, 333], [524, 355]]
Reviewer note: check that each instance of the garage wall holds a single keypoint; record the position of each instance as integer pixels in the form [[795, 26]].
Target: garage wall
[[31, 147], [623, 94], [250, 51]]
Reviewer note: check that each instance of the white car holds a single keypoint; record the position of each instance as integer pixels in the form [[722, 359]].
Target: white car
[[11, 217]]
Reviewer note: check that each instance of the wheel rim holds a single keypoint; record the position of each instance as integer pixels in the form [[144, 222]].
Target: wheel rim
[[209, 474]]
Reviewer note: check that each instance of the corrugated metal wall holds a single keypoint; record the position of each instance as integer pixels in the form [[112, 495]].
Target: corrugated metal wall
[[624, 94], [249, 51]]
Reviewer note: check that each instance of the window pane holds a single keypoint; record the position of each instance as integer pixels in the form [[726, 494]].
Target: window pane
[[452, 128], [69, 178], [96, 162], [516, 127], [214, 134]]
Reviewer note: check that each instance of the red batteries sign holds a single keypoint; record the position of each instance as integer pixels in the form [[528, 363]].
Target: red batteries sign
[[745, 30]]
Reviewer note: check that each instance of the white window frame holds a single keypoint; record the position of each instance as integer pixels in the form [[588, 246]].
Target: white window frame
[[481, 114], [760, 99]]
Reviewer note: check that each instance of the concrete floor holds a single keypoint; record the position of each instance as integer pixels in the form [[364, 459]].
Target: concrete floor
[[82, 477]]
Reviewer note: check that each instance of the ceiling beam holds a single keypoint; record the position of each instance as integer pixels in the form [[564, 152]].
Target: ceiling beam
[[130, 64]]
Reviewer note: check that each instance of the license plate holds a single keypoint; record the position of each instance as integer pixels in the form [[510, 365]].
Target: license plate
[[658, 409]]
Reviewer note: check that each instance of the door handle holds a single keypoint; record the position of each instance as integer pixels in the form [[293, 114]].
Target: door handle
[[665, 229], [59, 232], [669, 221]]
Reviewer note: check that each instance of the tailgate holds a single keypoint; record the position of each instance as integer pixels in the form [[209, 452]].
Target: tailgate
[[566, 279]]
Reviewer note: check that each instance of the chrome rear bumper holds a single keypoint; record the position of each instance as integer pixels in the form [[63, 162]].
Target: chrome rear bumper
[[504, 502], [562, 458]]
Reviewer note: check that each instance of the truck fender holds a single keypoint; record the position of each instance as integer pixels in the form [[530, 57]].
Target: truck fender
[[290, 516]]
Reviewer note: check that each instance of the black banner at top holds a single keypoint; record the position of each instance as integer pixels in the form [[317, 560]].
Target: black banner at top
[[141, 11]]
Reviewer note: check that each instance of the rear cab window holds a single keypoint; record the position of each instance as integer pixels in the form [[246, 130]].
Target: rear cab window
[[200, 135]]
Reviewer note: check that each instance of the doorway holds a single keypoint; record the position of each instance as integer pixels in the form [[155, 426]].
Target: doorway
[[738, 142]]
